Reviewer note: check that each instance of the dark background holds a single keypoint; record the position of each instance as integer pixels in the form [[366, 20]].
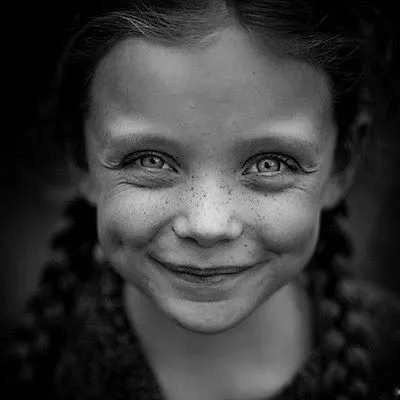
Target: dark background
[[34, 181]]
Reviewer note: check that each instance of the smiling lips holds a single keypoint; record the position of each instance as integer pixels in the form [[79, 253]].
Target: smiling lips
[[204, 272]]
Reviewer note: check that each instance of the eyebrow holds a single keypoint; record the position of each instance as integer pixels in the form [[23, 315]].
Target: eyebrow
[[144, 140], [274, 140], [309, 148]]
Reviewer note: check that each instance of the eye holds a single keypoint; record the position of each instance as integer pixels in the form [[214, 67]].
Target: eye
[[272, 164], [149, 160]]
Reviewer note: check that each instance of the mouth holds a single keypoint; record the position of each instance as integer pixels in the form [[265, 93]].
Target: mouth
[[211, 277], [204, 271]]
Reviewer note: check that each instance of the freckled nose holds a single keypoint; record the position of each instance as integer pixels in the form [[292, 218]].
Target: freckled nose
[[208, 220]]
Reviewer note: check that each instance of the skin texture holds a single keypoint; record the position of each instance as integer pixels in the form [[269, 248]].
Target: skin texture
[[242, 144], [194, 205], [212, 118]]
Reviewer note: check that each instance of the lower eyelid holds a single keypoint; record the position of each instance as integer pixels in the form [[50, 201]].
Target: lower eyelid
[[260, 183]]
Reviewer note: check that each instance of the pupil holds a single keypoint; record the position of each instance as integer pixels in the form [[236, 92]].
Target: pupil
[[269, 165], [151, 161]]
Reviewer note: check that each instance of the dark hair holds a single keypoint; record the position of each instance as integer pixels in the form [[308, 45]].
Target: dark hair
[[339, 39]]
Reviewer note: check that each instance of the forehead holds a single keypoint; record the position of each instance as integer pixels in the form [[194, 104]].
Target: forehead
[[231, 85]]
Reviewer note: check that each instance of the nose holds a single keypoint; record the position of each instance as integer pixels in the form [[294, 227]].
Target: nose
[[209, 217]]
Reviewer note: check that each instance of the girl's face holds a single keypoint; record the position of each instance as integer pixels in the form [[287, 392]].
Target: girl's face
[[209, 169]]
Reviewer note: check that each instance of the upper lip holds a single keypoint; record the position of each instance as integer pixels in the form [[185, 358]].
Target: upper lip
[[204, 271]]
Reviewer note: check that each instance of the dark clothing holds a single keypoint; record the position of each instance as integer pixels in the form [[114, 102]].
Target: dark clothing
[[86, 349]]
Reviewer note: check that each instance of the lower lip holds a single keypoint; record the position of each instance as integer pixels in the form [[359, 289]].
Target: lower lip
[[207, 280]]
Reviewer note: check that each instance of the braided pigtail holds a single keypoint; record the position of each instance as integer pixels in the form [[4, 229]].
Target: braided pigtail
[[344, 334], [31, 352]]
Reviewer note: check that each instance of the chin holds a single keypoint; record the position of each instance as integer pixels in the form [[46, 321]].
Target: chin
[[208, 318]]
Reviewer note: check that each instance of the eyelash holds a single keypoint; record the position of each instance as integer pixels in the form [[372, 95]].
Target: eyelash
[[289, 162], [127, 161]]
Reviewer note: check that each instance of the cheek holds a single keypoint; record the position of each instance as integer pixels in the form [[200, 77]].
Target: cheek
[[289, 227], [130, 218]]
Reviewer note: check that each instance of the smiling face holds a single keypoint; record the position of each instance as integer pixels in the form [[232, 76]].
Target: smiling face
[[213, 158]]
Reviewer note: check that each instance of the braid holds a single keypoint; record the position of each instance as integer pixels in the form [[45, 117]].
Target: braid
[[31, 356], [344, 335]]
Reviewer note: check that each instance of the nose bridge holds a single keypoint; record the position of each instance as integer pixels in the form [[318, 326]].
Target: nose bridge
[[211, 205], [209, 214]]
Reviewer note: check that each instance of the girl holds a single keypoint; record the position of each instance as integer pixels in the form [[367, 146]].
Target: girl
[[214, 142]]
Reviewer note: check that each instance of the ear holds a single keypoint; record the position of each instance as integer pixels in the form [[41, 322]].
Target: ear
[[343, 173], [84, 181], [338, 185]]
